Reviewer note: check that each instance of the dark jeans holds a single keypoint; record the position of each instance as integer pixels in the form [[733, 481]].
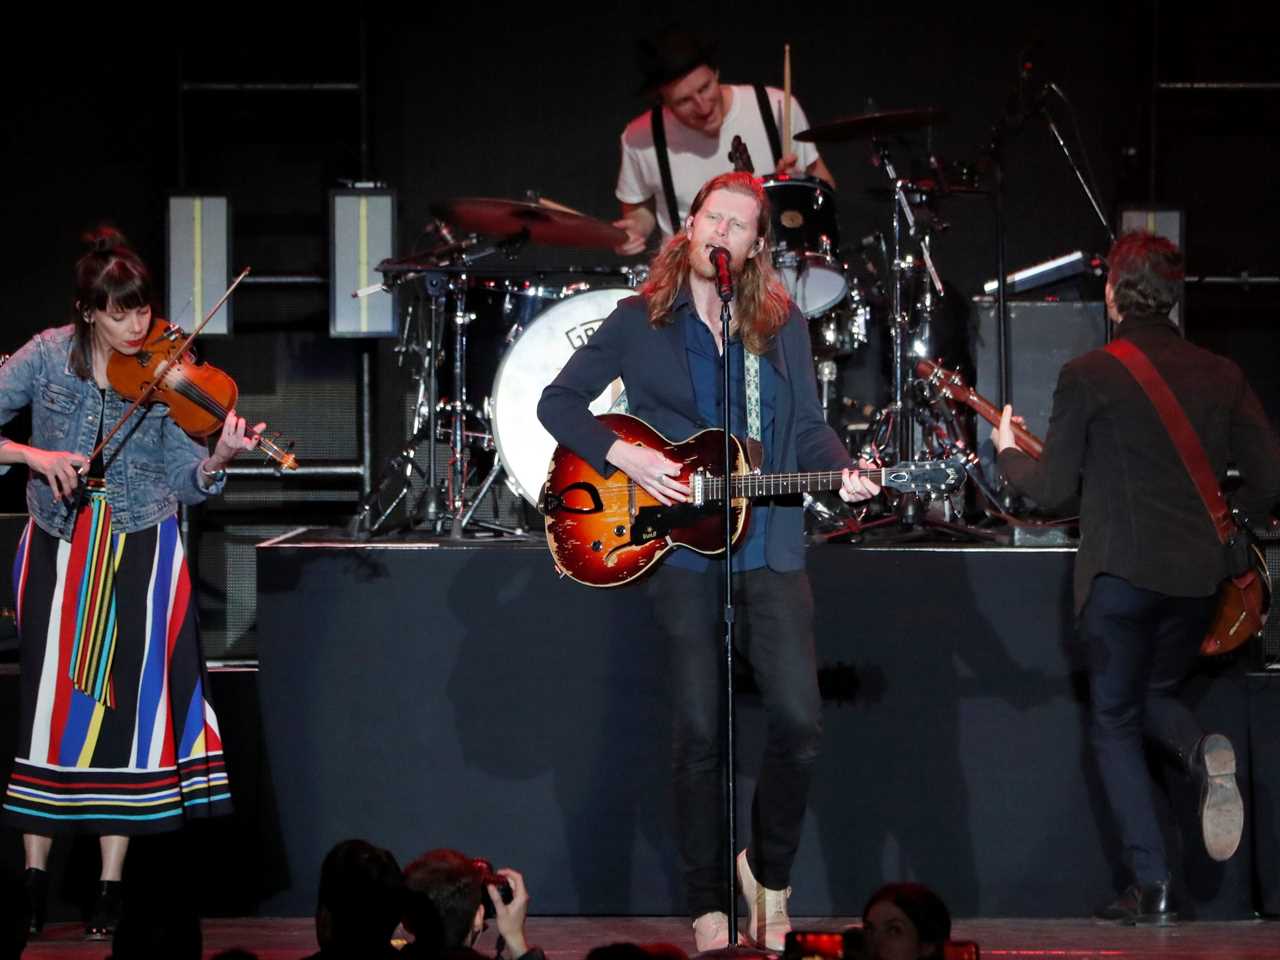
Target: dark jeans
[[774, 631], [1142, 645]]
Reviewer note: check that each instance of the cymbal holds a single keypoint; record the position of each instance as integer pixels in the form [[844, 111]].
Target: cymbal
[[551, 226], [927, 188], [872, 125]]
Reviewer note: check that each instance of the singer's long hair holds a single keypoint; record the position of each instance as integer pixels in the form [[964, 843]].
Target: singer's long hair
[[761, 301]]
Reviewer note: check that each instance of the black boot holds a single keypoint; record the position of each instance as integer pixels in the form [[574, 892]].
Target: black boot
[[1142, 903], [104, 915], [1221, 806], [35, 886]]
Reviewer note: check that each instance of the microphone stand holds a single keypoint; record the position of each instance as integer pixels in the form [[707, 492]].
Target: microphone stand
[[1071, 160], [730, 747]]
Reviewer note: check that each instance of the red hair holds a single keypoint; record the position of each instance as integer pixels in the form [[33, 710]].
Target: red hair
[[762, 301]]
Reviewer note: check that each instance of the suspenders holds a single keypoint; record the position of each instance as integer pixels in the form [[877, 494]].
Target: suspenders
[[664, 158]]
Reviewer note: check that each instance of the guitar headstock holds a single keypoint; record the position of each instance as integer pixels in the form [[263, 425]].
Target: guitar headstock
[[925, 476], [949, 383], [740, 157]]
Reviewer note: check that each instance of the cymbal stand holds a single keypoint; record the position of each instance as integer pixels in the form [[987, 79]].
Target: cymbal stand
[[458, 407], [419, 345], [468, 518], [902, 215]]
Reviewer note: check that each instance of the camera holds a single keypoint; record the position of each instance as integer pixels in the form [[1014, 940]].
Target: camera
[[490, 877]]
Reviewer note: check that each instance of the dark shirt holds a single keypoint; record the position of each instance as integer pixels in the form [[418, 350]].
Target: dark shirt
[[654, 365], [706, 371], [1140, 515]]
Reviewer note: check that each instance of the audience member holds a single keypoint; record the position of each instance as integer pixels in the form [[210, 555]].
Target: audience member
[[359, 904], [449, 899], [906, 921]]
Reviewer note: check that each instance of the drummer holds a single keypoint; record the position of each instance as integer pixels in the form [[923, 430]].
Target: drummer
[[699, 117]]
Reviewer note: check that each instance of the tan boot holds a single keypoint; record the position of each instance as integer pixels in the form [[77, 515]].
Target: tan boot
[[711, 932], [768, 922]]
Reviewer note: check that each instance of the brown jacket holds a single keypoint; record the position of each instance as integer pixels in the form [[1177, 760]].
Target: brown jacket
[[1140, 515]]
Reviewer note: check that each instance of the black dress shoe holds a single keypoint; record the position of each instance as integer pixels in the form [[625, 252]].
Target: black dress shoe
[[1142, 903], [104, 915], [35, 887], [1221, 807]]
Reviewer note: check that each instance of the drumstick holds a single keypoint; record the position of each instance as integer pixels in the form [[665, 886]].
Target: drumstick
[[553, 205], [786, 99]]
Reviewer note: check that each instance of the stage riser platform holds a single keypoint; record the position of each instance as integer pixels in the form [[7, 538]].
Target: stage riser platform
[[468, 697]]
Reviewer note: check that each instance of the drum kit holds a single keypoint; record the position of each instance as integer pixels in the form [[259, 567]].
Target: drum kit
[[484, 336]]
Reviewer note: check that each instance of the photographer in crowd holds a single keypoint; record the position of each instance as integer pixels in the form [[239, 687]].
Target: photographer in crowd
[[450, 898]]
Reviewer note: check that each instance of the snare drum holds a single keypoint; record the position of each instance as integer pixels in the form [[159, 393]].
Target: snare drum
[[806, 237], [534, 360]]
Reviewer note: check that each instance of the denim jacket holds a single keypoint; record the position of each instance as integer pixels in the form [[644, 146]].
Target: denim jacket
[[151, 463]]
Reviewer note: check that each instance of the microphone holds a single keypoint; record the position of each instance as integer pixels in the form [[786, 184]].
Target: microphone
[[724, 282]]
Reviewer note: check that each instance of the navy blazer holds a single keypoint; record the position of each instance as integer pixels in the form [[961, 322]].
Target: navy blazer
[[654, 367]]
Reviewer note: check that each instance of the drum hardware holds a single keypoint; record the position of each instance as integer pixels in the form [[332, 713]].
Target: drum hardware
[[453, 290], [827, 376], [902, 267], [542, 222]]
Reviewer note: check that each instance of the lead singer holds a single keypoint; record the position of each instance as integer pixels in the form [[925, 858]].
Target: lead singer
[[667, 347]]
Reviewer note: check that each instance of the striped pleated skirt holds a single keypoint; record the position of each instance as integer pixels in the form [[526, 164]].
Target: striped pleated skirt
[[117, 735]]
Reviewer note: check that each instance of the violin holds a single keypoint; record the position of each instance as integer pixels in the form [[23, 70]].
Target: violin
[[198, 394]]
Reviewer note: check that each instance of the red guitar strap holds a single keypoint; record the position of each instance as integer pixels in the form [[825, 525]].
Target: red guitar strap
[[1183, 435]]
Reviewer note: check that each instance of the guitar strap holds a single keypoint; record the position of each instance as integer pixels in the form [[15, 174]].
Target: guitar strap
[[770, 124], [751, 373], [1183, 435], [664, 165]]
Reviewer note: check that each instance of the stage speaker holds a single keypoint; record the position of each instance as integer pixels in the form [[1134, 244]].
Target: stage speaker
[[362, 226], [306, 386], [1167, 222], [199, 256], [224, 567], [1269, 642], [1043, 335]]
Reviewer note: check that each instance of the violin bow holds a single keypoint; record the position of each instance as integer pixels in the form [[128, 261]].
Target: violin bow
[[164, 369]]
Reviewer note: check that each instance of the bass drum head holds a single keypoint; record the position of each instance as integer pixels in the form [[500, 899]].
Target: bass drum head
[[534, 360]]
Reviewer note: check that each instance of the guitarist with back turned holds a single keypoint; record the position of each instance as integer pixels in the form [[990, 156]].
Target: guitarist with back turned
[[1150, 557], [666, 346]]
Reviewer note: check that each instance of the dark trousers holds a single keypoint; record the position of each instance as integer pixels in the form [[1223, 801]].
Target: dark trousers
[[774, 632], [1142, 645]]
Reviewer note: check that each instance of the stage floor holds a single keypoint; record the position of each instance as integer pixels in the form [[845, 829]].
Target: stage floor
[[569, 938]]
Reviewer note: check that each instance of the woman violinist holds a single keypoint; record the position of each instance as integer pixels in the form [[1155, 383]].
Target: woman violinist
[[117, 735]]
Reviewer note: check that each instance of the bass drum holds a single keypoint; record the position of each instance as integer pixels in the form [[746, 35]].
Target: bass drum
[[537, 356], [806, 236]]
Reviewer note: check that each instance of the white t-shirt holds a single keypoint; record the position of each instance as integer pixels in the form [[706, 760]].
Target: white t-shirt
[[696, 157]]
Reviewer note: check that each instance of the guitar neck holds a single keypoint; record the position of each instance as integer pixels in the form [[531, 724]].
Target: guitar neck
[[781, 484], [1027, 441]]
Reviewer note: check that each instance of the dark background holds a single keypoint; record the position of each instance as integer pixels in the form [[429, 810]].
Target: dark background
[[497, 100]]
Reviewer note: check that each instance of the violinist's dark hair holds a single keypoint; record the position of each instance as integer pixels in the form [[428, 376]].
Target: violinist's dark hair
[[110, 274]]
